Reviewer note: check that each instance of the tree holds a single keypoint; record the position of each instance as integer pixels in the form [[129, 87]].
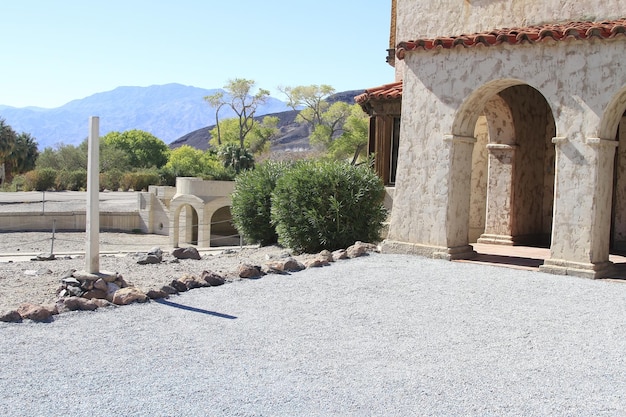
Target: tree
[[325, 119], [23, 156], [7, 142], [64, 157], [145, 150], [187, 161], [239, 100], [353, 141], [235, 157], [257, 141]]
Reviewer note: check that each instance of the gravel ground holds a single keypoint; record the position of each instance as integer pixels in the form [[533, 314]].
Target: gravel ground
[[382, 335]]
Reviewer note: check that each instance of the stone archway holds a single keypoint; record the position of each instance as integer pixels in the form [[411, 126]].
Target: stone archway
[[614, 126], [514, 190], [223, 232]]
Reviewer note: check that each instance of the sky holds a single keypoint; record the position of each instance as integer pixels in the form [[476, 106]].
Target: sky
[[52, 52]]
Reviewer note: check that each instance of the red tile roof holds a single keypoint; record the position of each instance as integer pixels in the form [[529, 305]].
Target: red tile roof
[[516, 36], [391, 91]]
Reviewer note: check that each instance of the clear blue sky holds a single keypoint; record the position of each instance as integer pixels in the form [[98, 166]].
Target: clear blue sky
[[52, 52]]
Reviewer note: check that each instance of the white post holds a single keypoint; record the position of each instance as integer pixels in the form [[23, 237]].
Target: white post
[[92, 255]]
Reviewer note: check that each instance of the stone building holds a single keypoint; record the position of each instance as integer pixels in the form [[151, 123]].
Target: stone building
[[505, 125]]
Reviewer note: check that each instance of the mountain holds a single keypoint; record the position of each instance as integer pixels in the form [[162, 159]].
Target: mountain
[[293, 136], [167, 111]]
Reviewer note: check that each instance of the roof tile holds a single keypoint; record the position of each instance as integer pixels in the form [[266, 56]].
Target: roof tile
[[515, 36], [391, 91]]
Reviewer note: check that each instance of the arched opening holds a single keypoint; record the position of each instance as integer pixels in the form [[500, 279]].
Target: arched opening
[[188, 224], [223, 232], [618, 209], [512, 174]]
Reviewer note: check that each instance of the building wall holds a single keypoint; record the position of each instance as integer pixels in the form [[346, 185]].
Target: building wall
[[582, 84], [427, 18]]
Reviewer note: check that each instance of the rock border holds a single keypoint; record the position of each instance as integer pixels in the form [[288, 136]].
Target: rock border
[[82, 291]]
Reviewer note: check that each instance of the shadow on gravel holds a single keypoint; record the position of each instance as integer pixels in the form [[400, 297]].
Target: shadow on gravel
[[194, 309]]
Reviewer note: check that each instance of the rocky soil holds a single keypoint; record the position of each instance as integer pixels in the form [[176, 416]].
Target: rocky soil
[[39, 282]]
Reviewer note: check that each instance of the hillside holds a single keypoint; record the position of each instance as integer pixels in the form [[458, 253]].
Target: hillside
[[293, 136]]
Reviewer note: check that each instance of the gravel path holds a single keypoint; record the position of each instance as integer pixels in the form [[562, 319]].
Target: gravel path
[[382, 335]]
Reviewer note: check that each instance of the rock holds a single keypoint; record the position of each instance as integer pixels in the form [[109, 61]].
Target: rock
[[326, 256], [340, 254], [156, 251], [249, 271], [75, 291], [95, 293], [285, 265], [111, 290], [360, 249], [186, 253], [191, 281], [179, 286], [36, 312], [71, 281], [68, 273], [44, 257], [100, 284], [168, 289], [79, 303], [125, 296], [100, 302], [315, 263], [157, 294], [282, 255], [149, 259], [213, 279], [11, 316]]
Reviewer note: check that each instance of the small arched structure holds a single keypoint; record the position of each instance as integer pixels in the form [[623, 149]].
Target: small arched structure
[[197, 199]]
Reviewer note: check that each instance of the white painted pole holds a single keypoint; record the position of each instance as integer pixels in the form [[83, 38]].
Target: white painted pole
[[92, 255]]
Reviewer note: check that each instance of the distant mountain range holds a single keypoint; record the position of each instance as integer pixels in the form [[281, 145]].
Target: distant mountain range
[[167, 111]]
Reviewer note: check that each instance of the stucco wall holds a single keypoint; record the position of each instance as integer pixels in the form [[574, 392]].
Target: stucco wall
[[427, 18], [581, 82]]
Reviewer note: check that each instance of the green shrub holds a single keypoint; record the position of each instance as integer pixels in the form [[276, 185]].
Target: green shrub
[[110, 180], [327, 205], [71, 180], [40, 179], [251, 202], [139, 180]]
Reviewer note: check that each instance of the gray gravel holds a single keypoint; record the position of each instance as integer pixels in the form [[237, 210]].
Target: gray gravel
[[383, 335]]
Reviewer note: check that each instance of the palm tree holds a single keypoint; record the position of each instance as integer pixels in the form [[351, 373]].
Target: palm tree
[[7, 142]]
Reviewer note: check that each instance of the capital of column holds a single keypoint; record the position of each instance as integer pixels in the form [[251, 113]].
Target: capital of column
[[599, 142], [459, 139], [501, 147]]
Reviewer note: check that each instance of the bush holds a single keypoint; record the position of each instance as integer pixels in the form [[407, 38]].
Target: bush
[[251, 202], [71, 180], [110, 180], [327, 205], [139, 180], [40, 179]]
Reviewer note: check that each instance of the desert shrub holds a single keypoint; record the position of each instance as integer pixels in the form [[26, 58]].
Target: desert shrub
[[327, 205], [139, 180], [40, 179], [71, 180], [110, 180], [251, 202]]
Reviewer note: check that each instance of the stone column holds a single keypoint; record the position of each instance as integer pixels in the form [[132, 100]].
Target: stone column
[[92, 254], [582, 209], [500, 204]]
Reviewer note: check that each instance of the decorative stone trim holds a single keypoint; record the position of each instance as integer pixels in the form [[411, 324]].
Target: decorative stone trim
[[435, 252], [459, 139], [599, 142], [560, 140], [577, 269], [501, 147]]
